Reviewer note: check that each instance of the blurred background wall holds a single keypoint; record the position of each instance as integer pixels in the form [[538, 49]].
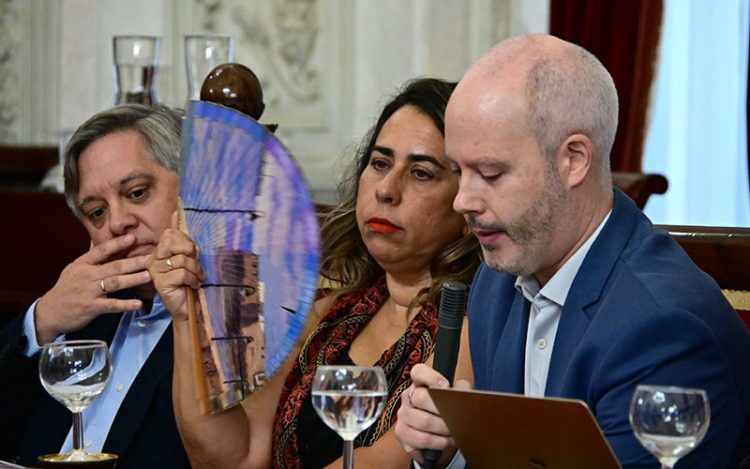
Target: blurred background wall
[[326, 65]]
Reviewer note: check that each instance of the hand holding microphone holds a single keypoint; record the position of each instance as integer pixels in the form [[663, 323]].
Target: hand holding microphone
[[450, 320]]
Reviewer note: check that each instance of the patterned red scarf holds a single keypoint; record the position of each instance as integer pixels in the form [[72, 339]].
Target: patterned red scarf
[[335, 333]]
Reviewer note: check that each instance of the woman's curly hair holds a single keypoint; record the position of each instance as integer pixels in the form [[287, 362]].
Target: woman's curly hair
[[346, 262]]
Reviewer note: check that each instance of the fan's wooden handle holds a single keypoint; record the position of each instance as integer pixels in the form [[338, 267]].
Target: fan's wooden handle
[[201, 383]]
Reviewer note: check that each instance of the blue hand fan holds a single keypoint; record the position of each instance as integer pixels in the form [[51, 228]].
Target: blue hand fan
[[245, 204]]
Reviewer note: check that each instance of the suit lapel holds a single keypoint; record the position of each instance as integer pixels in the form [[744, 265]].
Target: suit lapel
[[136, 404], [101, 328], [581, 303], [508, 374]]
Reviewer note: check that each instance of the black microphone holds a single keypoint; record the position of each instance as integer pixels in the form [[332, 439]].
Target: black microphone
[[450, 320]]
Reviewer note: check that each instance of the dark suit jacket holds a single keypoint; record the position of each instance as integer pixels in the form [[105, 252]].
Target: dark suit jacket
[[638, 312], [143, 434]]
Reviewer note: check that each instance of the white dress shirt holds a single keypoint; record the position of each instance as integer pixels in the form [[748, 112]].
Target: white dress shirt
[[544, 316]]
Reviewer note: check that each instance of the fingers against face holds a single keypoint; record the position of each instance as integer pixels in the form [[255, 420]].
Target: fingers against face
[[184, 270], [174, 242], [118, 274], [80, 293], [104, 251], [175, 220], [182, 254]]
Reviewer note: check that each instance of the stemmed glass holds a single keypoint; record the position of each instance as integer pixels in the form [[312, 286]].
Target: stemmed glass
[[669, 421], [349, 399], [75, 372]]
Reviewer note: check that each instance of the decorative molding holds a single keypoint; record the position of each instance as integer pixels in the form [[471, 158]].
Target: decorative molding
[[209, 10], [284, 33], [739, 299], [290, 44], [8, 78]]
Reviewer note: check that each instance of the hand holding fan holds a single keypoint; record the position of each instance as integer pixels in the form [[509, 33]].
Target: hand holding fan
[[245, 204]]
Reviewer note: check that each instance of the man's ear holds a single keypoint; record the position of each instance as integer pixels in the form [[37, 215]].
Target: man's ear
[[575, 159]]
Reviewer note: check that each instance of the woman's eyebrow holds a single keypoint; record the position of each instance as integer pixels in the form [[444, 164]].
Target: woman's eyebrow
[[414, 157], [418, 157], [383, 150]]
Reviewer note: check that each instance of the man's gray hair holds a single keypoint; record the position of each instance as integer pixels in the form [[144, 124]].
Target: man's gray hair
[[158, 125], [572, 94]]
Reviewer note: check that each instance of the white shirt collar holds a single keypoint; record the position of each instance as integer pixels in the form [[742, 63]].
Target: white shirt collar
[[557, 288]]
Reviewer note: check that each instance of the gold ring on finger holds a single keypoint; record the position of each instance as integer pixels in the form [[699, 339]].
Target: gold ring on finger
[[101, 285], [169, 263], [409, 396]]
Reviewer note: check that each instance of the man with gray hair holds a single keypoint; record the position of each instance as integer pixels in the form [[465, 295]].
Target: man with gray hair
[[579, 296], [121, 182]]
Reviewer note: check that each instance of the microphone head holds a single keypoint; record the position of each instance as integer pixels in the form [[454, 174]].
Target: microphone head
[[452, 302]]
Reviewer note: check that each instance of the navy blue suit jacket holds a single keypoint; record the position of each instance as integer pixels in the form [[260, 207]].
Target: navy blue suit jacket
[[638, 312], [144, 432]]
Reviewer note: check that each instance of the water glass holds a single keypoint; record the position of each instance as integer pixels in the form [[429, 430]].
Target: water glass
[[135, 64], [202, 54], [669, 421]]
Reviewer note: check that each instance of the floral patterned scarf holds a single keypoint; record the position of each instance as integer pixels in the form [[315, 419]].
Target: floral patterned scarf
[[335, 333]]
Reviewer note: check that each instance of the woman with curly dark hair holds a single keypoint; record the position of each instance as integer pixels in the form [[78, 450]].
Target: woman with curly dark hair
[[387, 249]]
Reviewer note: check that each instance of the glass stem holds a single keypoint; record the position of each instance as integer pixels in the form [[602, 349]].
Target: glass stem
[[348, 454], [77, 431]]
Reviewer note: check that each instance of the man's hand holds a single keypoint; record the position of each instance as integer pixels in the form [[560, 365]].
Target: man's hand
[[173, 266], [419, 425], [80, 294]]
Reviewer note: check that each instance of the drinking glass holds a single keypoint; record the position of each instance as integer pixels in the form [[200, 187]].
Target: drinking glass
[[135, 62], [669, 421], [202, 54], [349, 399], [75, 372]]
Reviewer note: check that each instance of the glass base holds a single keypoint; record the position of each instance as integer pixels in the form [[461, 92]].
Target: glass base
[[78, 459]]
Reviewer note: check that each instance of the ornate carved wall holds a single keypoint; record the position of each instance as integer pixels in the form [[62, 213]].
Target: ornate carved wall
[[9, 41], [28, 83]]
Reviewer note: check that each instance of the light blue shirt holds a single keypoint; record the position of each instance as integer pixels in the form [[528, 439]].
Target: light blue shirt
[[135, 339], [544, 315]]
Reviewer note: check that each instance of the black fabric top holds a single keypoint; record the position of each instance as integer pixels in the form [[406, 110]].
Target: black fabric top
[[319, 445]]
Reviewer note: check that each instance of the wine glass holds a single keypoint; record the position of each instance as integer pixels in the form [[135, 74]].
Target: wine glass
[[669, 421], [75, 372], [349, 399]]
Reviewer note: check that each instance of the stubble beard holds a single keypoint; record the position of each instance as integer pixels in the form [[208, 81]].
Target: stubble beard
[[529, 234]]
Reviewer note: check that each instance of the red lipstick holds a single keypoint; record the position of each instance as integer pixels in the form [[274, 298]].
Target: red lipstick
[[381, 225]]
